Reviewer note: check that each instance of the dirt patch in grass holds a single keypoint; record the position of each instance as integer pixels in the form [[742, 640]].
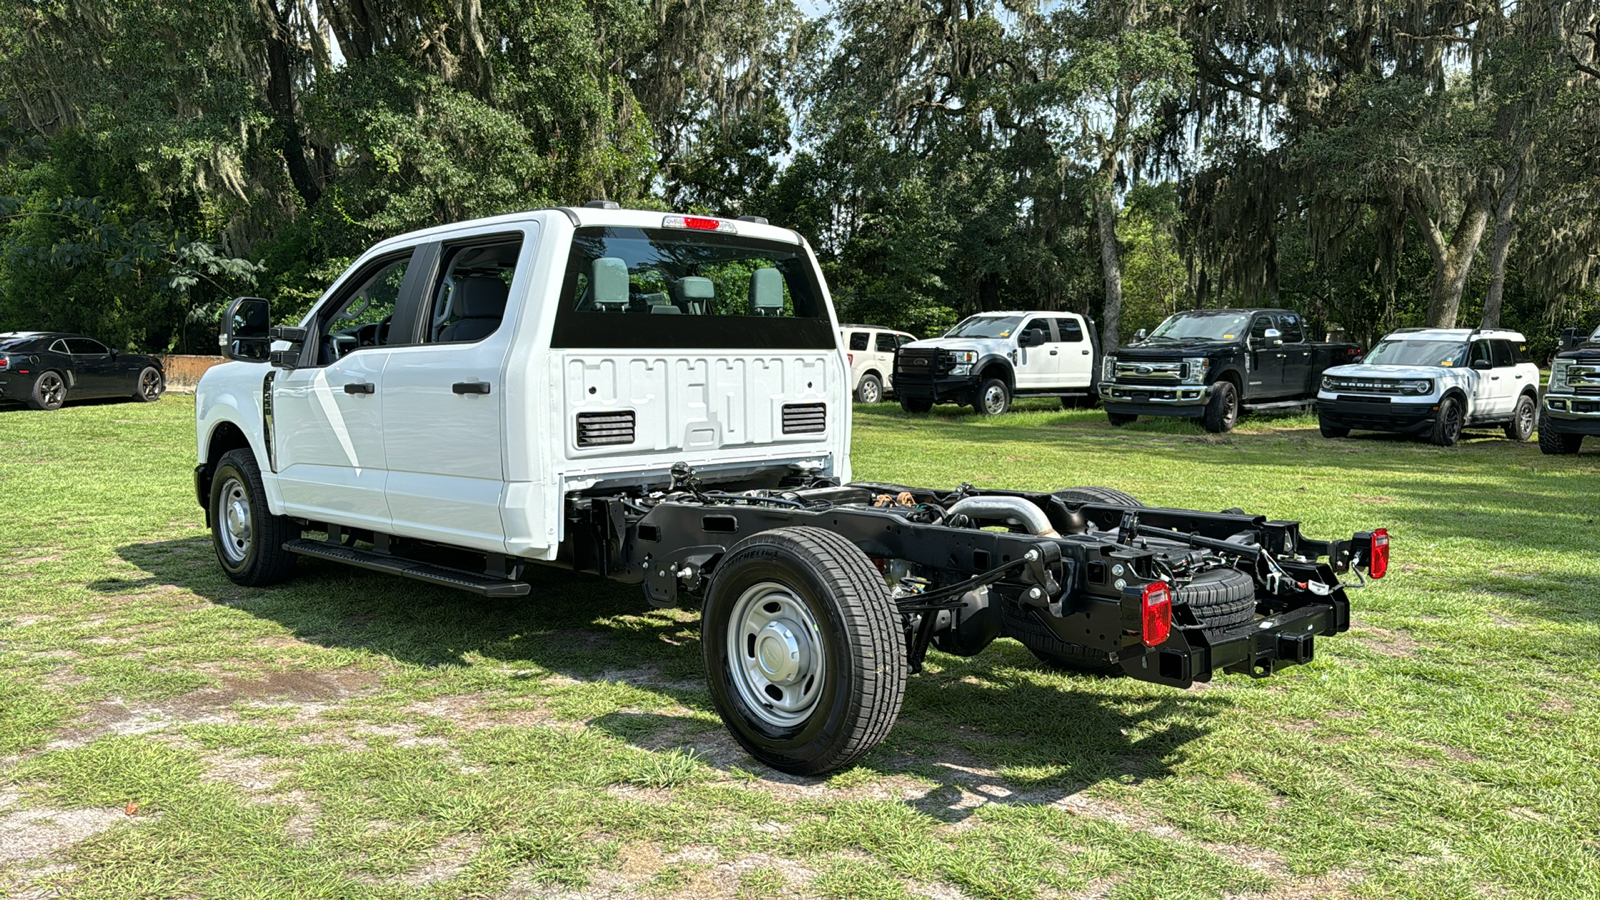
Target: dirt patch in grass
[[37, 834], [1389, 643]]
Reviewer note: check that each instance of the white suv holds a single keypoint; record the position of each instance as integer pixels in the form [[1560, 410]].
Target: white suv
[[1434, 381], [870, 351]]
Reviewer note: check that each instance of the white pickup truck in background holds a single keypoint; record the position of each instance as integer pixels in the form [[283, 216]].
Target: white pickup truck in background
[[662, 400]]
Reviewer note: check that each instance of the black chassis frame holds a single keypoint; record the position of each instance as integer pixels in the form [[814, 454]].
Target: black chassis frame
[[673, 549]]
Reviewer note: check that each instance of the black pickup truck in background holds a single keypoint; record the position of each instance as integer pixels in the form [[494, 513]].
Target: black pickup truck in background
[[1209, 364]]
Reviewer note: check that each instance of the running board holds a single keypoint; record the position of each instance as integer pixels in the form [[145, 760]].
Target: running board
[[460, 579], [1282, 404]]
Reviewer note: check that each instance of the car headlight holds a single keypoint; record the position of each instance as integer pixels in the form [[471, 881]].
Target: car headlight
[[1195, 369], [1329, 383], [1108, 369], [1420, 386], [964, 357], [961, 369], [1558, 375]]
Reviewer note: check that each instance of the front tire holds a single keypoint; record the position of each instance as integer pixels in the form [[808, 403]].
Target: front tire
[[1447, 426], [49, 392], [993, 397], [1118, 420], [915, 406], [1332, 431], [150, 385], [804, 653], [1554, 443], [1222, 410], [870, 390], [1520, 428], [248, 538]]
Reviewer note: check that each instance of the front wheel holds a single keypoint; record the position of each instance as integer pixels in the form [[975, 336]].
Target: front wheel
[[915, 406], [1330, 430], [804, 653], [1554, 443], [993, 397], [1222, 410], [150, 385], [248, 538], [1447, 426], [1520, 428], [1118, 420]]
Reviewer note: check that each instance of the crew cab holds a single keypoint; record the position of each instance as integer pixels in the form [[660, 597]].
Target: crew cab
[[1572, 404], [1434, 382], [990, 358], [1211, 364], [661, 399]]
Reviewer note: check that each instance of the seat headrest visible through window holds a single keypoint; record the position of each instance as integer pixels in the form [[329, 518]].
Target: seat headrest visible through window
[[660, 304], [694, 294], [766, 292], [480, 297]]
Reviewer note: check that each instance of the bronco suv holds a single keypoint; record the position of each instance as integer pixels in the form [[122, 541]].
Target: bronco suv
[[1434, 382], [1572, 405], [661, 399]]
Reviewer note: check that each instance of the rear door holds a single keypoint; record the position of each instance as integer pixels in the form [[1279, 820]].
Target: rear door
[[1075, 354], [1504, 379], [444, 396]]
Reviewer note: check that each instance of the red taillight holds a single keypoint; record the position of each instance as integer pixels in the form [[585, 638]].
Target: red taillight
[[5, 362], [1378, 555], [700, 223], [1157, 618], [851, 357]]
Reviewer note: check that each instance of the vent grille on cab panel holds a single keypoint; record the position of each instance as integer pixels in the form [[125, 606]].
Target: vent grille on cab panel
[[805, 418], [601, 429]]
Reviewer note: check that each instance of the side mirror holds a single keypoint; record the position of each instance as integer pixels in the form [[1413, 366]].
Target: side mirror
[[1033, 337], [1139, 335], [1482, 364], [1569, 338], [246, 333], [1272, 337]]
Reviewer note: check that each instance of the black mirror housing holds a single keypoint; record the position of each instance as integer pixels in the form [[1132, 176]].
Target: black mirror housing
[[246, 330], [1033, 337], [1482, 364]]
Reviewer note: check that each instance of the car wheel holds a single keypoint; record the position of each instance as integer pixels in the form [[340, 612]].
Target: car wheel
[[804, 652], [151, 384], [1082, 401], [993, 397], [915, 406], [1520, 428], [1330, 430], [49, 391], [248, 538], [1219, 599], [1118, 420], [1554, 443], [1447, 425], [870, 390], [1222, 410]]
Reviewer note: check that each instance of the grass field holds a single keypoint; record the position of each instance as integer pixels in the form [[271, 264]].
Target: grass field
[[165, 733]]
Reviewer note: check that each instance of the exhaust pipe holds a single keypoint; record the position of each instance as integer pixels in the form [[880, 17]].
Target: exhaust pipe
[[1007, 510]]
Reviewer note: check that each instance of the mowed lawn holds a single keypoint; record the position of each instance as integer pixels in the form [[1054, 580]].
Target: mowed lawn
[[165, 733]]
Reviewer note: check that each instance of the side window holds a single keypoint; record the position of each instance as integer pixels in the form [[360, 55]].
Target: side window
[[360, 316], [1292, 332], [469, 300], [85, 347], [858, 341], [1042, 325], [1502, 353], [901, 340], [1480, 353], [1069, 330], [884, 342], [60, 346], [1258, 329]]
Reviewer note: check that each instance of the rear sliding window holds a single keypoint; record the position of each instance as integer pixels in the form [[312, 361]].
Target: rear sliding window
[[655, 288]]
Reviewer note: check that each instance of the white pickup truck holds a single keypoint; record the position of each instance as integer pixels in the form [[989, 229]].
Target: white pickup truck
[[662, 400]]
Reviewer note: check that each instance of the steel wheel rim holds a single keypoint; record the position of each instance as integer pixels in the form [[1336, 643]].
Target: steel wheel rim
[[150, 384], [870, 391], [234, 520], [1525, 419], [994, 400], [776, 654], [51, 389]]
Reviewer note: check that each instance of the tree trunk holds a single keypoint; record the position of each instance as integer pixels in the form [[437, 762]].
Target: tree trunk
[[1504, 232], [1105, 209], [1451, 262], [285, 131]]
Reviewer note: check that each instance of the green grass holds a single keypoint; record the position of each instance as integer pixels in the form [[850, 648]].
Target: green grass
[[349, 735]]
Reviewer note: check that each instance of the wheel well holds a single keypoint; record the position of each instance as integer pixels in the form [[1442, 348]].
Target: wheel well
[[874, 373], [1001, 371], [225, 437], [1456, 393], [1232, 377]]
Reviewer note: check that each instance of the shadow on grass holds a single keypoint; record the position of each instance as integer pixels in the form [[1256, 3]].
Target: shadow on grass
[[963, 721]]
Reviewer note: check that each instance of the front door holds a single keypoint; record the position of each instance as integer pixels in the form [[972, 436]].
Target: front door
[[94, 372], [1486, 400], [1035, 368], [444, 401], [328, 437], [1265, 378]]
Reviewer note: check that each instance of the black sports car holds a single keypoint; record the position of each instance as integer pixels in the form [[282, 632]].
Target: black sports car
[[45, 368]]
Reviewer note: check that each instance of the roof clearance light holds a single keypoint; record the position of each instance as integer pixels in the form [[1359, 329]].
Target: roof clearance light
[[1157, 618], [1379, 558], [699, 223]]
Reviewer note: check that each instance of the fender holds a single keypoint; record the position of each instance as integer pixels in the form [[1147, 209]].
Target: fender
[[233, 393], [994, 362]]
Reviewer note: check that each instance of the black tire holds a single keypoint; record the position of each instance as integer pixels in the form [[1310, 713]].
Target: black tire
[[1330, 430], [1523, 419], [248, 538], [1554, 443], [870, 390], [1222, 410], [1105, 495], [993, 397], [818, 593], [1118, 420], [1447, 425], [49, 391], [915, 406], [151, 384], [1082, 401], [1219, 599]]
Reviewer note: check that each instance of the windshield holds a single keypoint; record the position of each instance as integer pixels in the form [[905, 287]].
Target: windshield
[[1209, 328], [1415, 352], [986, 327]]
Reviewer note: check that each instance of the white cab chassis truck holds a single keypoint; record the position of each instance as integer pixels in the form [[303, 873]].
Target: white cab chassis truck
[[662, 400]]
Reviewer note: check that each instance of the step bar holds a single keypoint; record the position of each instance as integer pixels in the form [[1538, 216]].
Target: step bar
[[444, 576]]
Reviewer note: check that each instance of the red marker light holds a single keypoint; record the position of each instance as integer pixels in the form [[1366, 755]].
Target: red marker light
[[1157, 615], [1378, 565], [699, 223]]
